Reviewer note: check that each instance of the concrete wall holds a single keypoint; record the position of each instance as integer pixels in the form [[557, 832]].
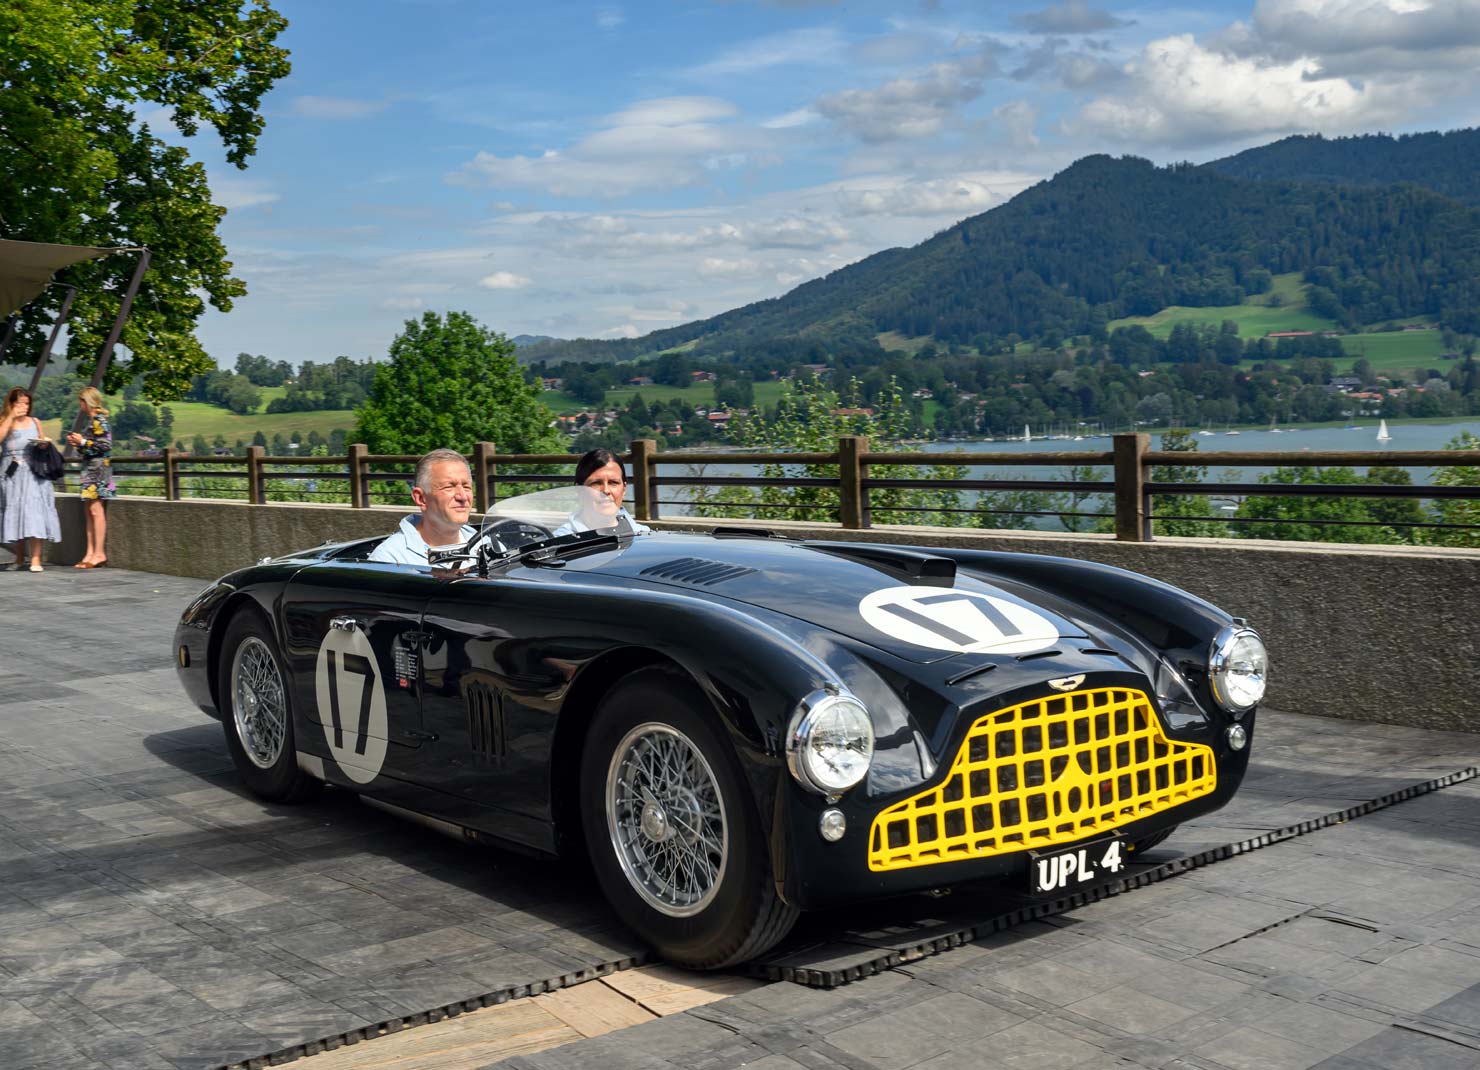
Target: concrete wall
[[1366, 633]]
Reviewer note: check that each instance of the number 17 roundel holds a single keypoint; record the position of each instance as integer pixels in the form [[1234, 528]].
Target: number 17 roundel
[[351, 700], [958, 621]]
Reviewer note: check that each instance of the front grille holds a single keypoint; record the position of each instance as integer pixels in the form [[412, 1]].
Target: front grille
[[1043, 773]]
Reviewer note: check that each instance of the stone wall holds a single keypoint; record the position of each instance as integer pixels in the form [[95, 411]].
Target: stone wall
[[1360, 632]]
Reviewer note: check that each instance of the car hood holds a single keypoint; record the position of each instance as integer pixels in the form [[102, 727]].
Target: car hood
[[898, 604]]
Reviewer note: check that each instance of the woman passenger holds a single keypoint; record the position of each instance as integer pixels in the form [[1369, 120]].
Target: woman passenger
[[601, 473]]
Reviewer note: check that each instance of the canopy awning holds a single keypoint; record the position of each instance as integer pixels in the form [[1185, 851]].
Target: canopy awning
[[26, 268]]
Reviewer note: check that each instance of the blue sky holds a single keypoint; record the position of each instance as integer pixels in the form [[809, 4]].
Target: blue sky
[[605, 170]]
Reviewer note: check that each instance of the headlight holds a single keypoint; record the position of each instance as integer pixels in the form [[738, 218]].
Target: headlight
[[830, 743], [1238, 667]]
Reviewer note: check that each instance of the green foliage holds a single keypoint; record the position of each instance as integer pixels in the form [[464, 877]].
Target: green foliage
[[1455, 511], [78, 167], [810, 418], [1313, 518], [1444, 163], [450, 383], [1168, 509]]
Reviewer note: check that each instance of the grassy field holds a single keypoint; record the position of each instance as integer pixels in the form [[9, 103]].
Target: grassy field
[[1254, 317], [1396, 350], [197, 418]]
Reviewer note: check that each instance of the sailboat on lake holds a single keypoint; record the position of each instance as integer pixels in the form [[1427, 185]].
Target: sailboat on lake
[[1382, 432]]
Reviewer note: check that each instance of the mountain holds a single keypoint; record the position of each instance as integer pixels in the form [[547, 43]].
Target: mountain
[[522, 340], [1446, 163], [1108, 237]]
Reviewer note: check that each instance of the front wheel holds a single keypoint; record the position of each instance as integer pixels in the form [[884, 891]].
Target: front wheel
[[671, 829], [1141, 846], [258, 712]]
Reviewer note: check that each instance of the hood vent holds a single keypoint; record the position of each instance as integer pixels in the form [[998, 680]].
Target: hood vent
[[696, 571]]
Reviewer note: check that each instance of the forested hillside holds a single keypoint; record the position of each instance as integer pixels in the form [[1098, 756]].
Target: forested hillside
[[1108, 238], [1446, 163]]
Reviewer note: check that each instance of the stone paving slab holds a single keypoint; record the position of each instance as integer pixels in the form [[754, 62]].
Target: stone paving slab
[[152, 915], [1247, 965]]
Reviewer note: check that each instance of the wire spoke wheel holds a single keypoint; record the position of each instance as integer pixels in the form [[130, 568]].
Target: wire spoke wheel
[[666, 818], [258, 707]]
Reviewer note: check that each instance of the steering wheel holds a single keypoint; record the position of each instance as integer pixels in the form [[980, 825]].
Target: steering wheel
[[514, 532]]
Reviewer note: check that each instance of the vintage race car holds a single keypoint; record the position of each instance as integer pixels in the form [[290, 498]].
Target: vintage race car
[[737, 727]]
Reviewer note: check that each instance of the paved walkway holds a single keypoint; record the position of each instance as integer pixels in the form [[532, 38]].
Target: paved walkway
[[153, 916]]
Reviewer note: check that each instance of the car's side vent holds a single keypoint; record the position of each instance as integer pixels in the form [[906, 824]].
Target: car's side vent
[[485, 720], [695, 570]]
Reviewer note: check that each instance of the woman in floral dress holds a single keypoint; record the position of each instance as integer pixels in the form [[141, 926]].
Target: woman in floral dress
[[94, 442]]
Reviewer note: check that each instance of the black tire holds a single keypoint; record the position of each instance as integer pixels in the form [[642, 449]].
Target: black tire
[[1141, 846], [257, 711], [731, 912]]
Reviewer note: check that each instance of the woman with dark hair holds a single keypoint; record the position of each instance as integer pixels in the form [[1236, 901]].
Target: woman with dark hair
[[600, 472], [28, 511]]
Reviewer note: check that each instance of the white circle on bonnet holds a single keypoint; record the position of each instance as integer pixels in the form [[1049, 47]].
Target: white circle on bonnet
[[957, 621]]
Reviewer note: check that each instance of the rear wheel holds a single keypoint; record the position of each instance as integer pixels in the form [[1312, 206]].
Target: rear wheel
[[671, 828], [258, 711]]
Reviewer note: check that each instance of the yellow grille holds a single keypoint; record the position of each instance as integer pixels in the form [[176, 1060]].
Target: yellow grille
[[1043, 773]]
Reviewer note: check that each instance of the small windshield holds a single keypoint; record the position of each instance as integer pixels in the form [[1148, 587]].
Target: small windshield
[[568, 513]]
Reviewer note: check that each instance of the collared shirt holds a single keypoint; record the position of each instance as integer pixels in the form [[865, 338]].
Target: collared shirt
[[574, 523], [405, 545]]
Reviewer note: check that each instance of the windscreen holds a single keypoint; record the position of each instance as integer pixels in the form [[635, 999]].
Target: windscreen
[[568, 513]]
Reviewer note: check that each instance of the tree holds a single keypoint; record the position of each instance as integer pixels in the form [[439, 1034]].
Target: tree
[[1313, 518], [1168, 509], [77, 166], [448, 384], [1458, 511]]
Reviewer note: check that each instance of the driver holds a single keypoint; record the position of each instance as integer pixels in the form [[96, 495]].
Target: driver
[[601, 474], [443, 491]]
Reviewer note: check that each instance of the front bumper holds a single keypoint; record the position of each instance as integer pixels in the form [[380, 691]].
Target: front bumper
[[1044, 774]]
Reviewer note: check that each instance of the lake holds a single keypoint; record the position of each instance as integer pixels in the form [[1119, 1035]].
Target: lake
[[1405, 436]]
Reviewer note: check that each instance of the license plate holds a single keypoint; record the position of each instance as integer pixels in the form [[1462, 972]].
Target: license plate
[[1066, 871]]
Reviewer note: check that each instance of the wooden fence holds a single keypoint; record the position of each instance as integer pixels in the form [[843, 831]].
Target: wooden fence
[[855, 471]]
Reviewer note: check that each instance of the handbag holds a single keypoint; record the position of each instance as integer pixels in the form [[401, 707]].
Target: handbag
[[45, 460]]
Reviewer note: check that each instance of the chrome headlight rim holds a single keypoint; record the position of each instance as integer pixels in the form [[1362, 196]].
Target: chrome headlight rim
[[1218, 659], [804, 722]]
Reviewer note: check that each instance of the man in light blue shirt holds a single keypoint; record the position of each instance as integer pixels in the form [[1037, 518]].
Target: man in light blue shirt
[[443, 491]]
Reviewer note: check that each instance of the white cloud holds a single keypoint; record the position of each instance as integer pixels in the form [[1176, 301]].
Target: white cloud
[[609, 18], [402, 304], [794, 118], [503, 280], [915, 107], [1183, 94], [654, 144], [718, 267], [1071, 16], [955, 198], [234, 194], [808, 45], [1331, 28], [339, 108], [625, 330], [1018, 119], [795, 232]]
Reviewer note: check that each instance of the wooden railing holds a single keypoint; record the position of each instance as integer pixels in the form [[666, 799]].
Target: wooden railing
[[859, 472]]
